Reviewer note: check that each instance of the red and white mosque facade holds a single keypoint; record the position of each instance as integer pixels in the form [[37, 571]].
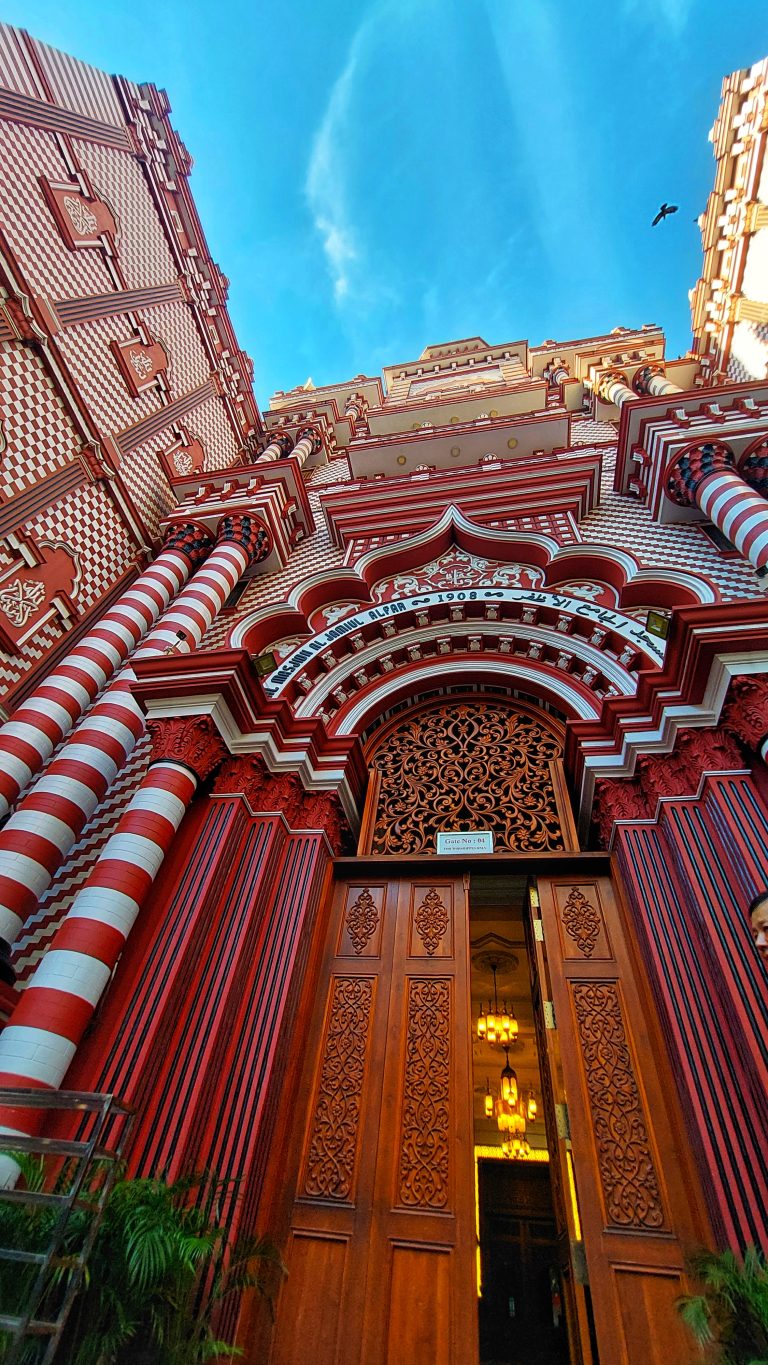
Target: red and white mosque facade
[[213, 622]]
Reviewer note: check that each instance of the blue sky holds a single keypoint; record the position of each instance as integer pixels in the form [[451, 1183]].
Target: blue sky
[[376, 177]]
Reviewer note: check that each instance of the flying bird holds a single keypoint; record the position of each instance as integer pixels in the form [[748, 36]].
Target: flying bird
[[664, 212]]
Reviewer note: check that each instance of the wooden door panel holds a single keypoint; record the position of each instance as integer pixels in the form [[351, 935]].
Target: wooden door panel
[[648, 1315], [630, 1165], [362, 920], [419, 1326], [386, 1167], [311, 1301]]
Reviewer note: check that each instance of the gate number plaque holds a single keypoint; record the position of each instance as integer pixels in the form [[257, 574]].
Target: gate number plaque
[[465, 841]]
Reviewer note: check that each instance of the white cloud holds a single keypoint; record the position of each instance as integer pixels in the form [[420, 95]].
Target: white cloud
[[326, 182]]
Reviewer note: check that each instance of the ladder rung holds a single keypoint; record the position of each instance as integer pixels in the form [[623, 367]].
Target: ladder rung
[[35, 1328], [43, 1145], [26, 1257], [45, 1199]]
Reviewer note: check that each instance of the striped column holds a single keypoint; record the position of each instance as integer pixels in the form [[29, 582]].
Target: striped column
[[42, 1035], [651, 381], [279, 447], [38, 836], [29, 738], [309, 442], [612, 387], [555, 373], [704, 476]]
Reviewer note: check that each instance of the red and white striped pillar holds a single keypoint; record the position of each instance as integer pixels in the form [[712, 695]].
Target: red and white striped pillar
[[704, 476], [651, 382], [43, 1032], [29, 738], [612, 387], [309, 442], [279, 447], [38, 836]]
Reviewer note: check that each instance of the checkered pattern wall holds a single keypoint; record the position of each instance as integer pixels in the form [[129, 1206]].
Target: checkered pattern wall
[[26, 154], [39, 436]]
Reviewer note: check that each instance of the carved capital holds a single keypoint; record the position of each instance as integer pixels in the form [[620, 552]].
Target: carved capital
[[250, 533], [192, 741], [754, 465], [643, 377], [189, 539], [616, 800], [707, 751], [746, 712], [679, 773], [694, 465], [323, 810], [247, 776], [313, 434], [278, 793]]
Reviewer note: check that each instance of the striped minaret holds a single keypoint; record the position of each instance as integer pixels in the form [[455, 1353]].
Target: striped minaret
[[38, 836], [29, 738], [42, 1035], [704, 476]]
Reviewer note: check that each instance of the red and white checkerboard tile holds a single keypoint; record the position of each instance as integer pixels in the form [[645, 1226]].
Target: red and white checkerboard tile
[[621, 522], [145, 256], [50, 269], [40, 436], [174, 326], [54, 905], [585, 431], [95, 370], [14, 666], [146, 482], [80, 87], [209, 421], [87, 521]]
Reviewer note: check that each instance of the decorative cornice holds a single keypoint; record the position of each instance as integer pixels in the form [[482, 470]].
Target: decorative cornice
[[224, 684]]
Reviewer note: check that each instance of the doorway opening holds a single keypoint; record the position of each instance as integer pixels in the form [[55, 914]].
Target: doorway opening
[[523, 1250]]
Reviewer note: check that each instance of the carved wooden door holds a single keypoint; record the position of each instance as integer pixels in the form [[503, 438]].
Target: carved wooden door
[[640, 1214], [381, 1253]]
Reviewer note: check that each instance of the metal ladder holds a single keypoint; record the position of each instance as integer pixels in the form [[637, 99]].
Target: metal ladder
[[101, 1125]]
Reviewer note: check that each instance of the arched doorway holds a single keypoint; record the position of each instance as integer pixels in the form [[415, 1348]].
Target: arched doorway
[[389, 1196]]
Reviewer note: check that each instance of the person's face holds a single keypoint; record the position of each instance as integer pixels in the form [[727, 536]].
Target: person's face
[[760, 928]]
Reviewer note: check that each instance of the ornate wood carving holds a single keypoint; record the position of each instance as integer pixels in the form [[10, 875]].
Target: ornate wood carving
[[627, 1171], [581, 921], [431, 921], [462, 766], [423, 1174], [362, 919], [333, 1144]]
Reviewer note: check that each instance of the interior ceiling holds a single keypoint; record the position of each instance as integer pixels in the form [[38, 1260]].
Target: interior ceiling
[[496, 907]]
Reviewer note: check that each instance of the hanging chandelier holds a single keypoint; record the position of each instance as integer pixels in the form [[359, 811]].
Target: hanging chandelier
[[496, 1025], [510, 1115]]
